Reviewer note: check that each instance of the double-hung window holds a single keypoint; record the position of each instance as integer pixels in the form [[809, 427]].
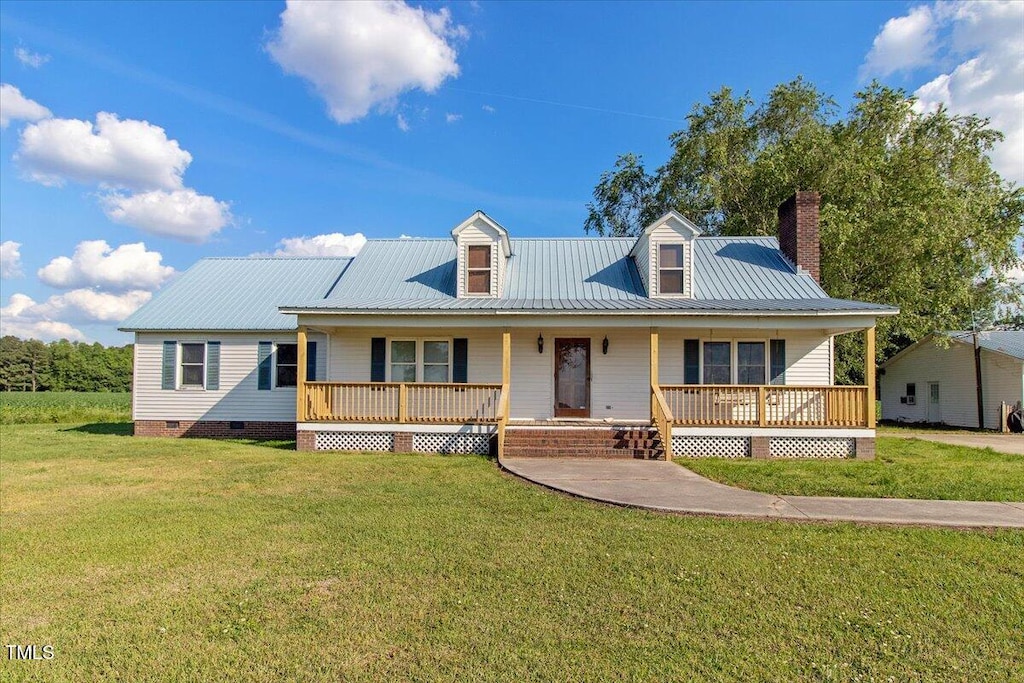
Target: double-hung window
[[670, 269], [193, 364], [436, 363], [427, 360], [717, 362], [287, 365], [403, 360], [750, 362], [478, 271]]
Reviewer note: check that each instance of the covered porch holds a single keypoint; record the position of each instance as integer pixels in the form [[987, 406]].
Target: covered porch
[[566, 378]]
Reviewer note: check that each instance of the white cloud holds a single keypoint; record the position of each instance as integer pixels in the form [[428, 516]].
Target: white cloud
[[30, 59], [182, 214], [452, 118], [95, 264], [364, 55], [10, 259], [76, 306], [17, 318], [903, 43], [489, 109], [333, 244], [977, 48], [112, 153], [403, 125], [16, 107]]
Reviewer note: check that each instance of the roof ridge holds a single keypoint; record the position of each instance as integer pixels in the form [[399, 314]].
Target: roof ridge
[[276, 258]]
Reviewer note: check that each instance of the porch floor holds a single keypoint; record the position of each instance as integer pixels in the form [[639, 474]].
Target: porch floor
[[668, 487]]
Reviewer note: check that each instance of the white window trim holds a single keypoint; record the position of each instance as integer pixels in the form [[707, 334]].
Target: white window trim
[[274, 364], [682, 269], [419, 355], [181, 366], [734, 359], [492, 268]]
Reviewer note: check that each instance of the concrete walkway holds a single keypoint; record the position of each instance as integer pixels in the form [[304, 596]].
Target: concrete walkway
[[1002, 443], [668, 487]]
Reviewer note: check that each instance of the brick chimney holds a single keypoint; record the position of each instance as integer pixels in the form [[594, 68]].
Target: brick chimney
[[798, 232]]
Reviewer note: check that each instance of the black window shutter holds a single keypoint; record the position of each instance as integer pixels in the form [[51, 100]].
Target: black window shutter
[[691, 361], [460, 360], [778, 361], [212, 365], [266, 350], [311, 361], [378, 366], [169, 368]]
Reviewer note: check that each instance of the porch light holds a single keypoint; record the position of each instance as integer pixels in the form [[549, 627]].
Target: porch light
[[540, 343], [604, 345]]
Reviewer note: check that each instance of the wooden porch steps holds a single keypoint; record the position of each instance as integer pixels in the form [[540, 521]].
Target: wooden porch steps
[[641, 443]]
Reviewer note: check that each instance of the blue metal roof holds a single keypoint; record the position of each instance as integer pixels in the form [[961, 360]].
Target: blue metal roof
[[237, 294], [1008, 342]]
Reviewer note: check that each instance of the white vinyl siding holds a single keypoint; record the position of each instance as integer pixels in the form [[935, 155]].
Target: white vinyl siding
[[642, 253], [665, 234], [953, 369], [237, 398]]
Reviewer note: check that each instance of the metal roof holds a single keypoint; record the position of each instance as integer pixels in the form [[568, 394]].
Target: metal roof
[[237, 294], [1008, 342]]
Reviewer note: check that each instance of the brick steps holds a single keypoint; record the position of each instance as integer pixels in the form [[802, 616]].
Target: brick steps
[[583, 442]]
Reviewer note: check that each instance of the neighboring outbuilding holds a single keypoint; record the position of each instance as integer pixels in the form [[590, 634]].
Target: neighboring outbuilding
[[934, 380]]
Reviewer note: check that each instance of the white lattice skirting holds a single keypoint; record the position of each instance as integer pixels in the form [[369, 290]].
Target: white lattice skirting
[[814, 447], [711, 446], [452, 443], [355, 441]]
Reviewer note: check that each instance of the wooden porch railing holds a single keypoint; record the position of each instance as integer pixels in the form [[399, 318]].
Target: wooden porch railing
[[661, 416], [400, 402], [766, 406]]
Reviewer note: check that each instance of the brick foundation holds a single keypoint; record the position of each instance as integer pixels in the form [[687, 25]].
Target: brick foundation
[[760, 447], [215, 429], [865, 448], [403, 442], [305, 441]]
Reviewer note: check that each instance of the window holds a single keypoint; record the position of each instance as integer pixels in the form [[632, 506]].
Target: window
[[933, 389], [912, 389], [478, 274], [403, 360], [193, 364], [717, 362], [415, 360], [750, 362], [670, 269], [435, 361], [287, 365]]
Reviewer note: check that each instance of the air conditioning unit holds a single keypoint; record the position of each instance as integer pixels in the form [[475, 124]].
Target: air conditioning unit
[[911, 400]]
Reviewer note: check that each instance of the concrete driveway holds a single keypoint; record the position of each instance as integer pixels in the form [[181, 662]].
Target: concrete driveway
[[668, 487], [1003, 443]]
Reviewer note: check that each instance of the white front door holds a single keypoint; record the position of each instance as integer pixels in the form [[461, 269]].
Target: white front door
[[934, 405]]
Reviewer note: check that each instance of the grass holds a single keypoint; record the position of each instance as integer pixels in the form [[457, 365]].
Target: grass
[[64, 407], [903, 468], [194, 560]]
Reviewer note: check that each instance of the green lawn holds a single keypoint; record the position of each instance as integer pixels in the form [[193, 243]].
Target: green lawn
[[64, 406], [903, 468], [194, 560]]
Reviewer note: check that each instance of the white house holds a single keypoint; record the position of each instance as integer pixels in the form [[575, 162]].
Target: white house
[[669, 343], [935, 380]]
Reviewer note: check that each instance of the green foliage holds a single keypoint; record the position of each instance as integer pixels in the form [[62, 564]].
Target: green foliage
[[903, 468], [25, 407], [63, 366], [912, 212], [181, 560]]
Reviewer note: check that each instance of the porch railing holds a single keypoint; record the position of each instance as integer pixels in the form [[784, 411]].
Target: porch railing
[[767, 406], [661, 416], [400, 402]]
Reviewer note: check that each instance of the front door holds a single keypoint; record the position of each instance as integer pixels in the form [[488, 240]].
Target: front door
[[934, 404], [572, 378]]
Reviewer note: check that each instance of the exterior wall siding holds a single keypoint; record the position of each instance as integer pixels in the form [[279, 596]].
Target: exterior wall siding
[[953, 369], [643, 262], [661, 235], [477, 234], [237, 399]]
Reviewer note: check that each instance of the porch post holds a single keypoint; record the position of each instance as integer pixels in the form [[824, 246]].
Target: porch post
[[300, 384], [654, 357], [506, 358], [869, 374]]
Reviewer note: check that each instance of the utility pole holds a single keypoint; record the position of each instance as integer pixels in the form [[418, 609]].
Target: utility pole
[[977, 380]]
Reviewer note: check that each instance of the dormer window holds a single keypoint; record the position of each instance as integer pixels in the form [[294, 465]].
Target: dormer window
[[478, 273], [670, 268]]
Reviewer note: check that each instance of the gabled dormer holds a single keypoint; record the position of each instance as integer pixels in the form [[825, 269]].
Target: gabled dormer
[[664, 256], [483, 251]]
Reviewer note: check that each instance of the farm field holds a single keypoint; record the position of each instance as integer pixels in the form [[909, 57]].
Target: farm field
[[18, 407], [159, 559]]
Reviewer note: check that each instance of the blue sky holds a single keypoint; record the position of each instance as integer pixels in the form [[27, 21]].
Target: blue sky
[[238, 128]]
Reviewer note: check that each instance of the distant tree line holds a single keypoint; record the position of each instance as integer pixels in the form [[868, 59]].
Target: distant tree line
[[31, 365]]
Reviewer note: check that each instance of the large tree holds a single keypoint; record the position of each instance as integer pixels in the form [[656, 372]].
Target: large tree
[[912, 215]]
